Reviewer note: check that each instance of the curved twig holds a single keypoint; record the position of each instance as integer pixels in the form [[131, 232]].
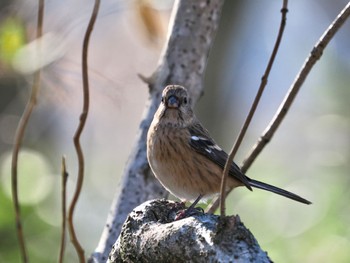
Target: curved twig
[[263, 83], [22, 125], [83, 117]]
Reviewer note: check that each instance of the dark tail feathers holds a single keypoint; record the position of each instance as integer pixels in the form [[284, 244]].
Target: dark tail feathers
[[278, 191]]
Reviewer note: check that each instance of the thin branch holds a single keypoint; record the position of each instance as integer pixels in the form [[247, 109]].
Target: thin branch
[[22, 125], [63, 200], [83, 117], [315, 55], [241, 135]]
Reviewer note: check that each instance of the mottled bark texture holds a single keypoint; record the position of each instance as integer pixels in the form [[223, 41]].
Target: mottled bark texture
[[150, 234], [183, 61]]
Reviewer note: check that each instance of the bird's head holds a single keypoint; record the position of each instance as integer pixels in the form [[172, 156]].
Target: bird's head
[[175, 107]]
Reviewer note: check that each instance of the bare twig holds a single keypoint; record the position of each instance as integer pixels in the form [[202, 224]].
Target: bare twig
[[22, 125], [83, 117], [263, 83], [63, 200], [315, 55]]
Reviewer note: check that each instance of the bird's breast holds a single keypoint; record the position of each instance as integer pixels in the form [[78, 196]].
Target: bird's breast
[[181, 170]]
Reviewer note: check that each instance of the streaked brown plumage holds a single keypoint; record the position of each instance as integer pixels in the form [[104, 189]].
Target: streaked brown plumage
[[185, 159]]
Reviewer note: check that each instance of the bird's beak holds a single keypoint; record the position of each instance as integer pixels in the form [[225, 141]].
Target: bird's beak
[[173, 102]]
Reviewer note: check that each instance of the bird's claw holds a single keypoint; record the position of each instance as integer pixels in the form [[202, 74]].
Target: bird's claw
[[190, 211]]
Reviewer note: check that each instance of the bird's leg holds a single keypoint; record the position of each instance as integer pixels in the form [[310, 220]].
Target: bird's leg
[[190, 210], [193, 205]]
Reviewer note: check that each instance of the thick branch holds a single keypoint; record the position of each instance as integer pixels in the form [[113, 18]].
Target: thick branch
[[192, 30], [150, 234]]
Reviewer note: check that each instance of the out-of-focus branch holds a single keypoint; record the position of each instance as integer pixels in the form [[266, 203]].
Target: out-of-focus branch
[[64, 175], [83, 117], [241, 135], [22, 125], [183, 61]]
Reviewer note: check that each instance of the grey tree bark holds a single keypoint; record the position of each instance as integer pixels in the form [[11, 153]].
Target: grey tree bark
[[150, 234], [183, 61]]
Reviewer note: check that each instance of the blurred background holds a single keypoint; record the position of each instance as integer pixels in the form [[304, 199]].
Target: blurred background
[[309, 154]]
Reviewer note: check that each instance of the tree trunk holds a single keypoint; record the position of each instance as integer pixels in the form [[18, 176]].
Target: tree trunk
[[192, 30]]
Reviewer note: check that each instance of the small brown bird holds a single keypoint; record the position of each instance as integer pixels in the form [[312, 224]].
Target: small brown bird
[[185, 159]]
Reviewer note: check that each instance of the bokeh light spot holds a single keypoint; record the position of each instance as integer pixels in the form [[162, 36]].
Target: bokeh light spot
[[34, 177]]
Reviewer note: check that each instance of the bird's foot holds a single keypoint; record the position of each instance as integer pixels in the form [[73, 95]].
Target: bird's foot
[[190, 211]]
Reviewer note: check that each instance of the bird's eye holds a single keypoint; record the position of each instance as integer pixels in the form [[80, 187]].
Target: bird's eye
[[185, 100], [163, 99]]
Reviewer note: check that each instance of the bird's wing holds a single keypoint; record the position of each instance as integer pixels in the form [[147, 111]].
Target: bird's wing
[[202, 143]]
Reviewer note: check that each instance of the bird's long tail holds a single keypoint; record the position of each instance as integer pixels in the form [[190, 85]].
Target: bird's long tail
[[276, 190]]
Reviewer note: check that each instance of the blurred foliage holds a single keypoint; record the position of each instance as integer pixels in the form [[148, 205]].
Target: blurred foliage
[[12, 38], [42, 224], [37, 233]]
